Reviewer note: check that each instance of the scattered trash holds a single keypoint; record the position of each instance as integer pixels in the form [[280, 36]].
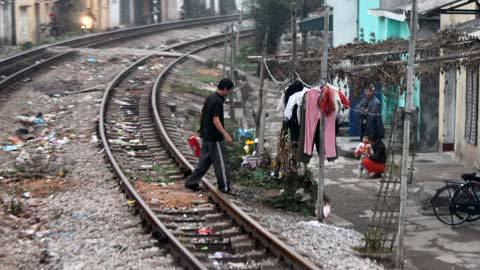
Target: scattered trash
[[119, 102], [249, 162], [27, 79], [246, 133], [327, 208], [91, 59], [26, 195], [131, 202], [94, 139], [9, 148], [31, 120], [204, 248], [217, 255], [16, 140], [206, 231]]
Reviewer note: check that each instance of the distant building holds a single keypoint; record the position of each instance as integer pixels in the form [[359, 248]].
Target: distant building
[[30, 17], [7, 25], [459, 96], [345, 16]]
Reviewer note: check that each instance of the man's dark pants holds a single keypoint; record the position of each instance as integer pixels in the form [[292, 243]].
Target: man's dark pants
[[212, 153]]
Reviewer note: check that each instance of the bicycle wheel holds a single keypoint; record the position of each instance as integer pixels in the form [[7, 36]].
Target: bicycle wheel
[[461, 198], [441, 205], [476, 197]]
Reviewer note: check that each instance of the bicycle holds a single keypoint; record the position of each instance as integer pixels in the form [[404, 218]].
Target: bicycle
[[458, 202]]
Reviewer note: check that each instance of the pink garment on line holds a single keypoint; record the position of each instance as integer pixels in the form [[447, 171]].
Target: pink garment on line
[[312, 115]]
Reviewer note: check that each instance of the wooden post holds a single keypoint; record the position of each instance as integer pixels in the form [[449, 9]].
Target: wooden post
[[406, 133], [232, 74], [294, 32], [260, 111], [321, 155]]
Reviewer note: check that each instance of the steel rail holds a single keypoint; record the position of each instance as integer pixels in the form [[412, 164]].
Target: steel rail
[[278, 247], [92, 41], [188, 260]]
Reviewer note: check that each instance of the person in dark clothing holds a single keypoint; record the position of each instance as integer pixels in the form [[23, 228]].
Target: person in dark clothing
[[375, 164], [371, 123], [214, 136]]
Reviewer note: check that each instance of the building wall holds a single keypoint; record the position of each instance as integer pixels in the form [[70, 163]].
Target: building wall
[[100, 9], [30, 15], [367, 24], [447, 106], [171, 10], [114, 13], [344, 21], [6, 23], [467, 152]]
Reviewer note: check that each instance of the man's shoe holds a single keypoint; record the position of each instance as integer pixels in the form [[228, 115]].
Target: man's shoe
[[194, 187], [228, 192]]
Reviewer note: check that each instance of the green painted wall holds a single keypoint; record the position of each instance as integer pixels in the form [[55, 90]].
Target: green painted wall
[[375, 29]]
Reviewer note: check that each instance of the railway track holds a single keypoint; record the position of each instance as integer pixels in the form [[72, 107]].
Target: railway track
[[18, 66], [141, 140]]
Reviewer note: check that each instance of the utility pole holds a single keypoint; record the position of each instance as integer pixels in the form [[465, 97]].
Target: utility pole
[[232, 73], [225, 49], [240, 20], [406, 133], [304, 33], [260, 117], [321, 124], [294, 32]]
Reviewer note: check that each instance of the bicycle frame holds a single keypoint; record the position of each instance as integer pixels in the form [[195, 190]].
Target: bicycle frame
[[472, 189]]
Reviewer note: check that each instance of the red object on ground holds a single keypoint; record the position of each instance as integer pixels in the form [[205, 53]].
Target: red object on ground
[[372, 166], [194, 145], [206, 231]]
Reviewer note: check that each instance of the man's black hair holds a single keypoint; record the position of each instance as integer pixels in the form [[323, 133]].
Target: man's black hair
[[225, 83]]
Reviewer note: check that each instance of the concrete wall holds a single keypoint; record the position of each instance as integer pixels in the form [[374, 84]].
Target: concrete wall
[[467, 152], [171, 10], [456, 106], [344, 21], [114, 13], [428, 128], [29, 16], [6, 23]]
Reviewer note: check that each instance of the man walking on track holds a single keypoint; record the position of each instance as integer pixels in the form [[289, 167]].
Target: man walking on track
[[212, 131]]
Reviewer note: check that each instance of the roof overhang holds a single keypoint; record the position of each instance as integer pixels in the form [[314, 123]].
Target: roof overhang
[[397, 16]]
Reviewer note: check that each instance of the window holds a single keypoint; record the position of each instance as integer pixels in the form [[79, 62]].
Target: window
[[471, 108]]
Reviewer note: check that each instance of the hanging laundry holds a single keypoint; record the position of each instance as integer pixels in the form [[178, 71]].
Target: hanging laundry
[[295, 99], [310, 114]]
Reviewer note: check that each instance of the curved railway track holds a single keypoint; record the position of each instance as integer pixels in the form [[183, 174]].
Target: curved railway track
[[15, 67], [141, 141]]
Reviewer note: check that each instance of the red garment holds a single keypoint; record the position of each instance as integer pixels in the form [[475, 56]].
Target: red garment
[[372, 166], [327, 101], [343, 99]]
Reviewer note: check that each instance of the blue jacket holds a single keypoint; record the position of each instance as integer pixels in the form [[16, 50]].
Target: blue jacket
[[371, 122]]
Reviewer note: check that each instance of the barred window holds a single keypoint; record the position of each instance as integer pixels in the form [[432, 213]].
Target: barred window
[[471, 108]]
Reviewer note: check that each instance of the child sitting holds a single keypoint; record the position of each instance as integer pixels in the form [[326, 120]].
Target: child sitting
[[375, 164], [363, 150]]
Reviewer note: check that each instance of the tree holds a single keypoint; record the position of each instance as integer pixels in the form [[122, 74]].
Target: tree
[[274, 15]]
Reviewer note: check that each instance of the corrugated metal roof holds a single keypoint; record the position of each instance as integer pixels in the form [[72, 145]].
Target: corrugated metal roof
[[426, 6], [470, 28]]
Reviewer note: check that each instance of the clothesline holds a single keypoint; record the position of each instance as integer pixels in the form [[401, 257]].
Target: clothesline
[[288, 79]]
